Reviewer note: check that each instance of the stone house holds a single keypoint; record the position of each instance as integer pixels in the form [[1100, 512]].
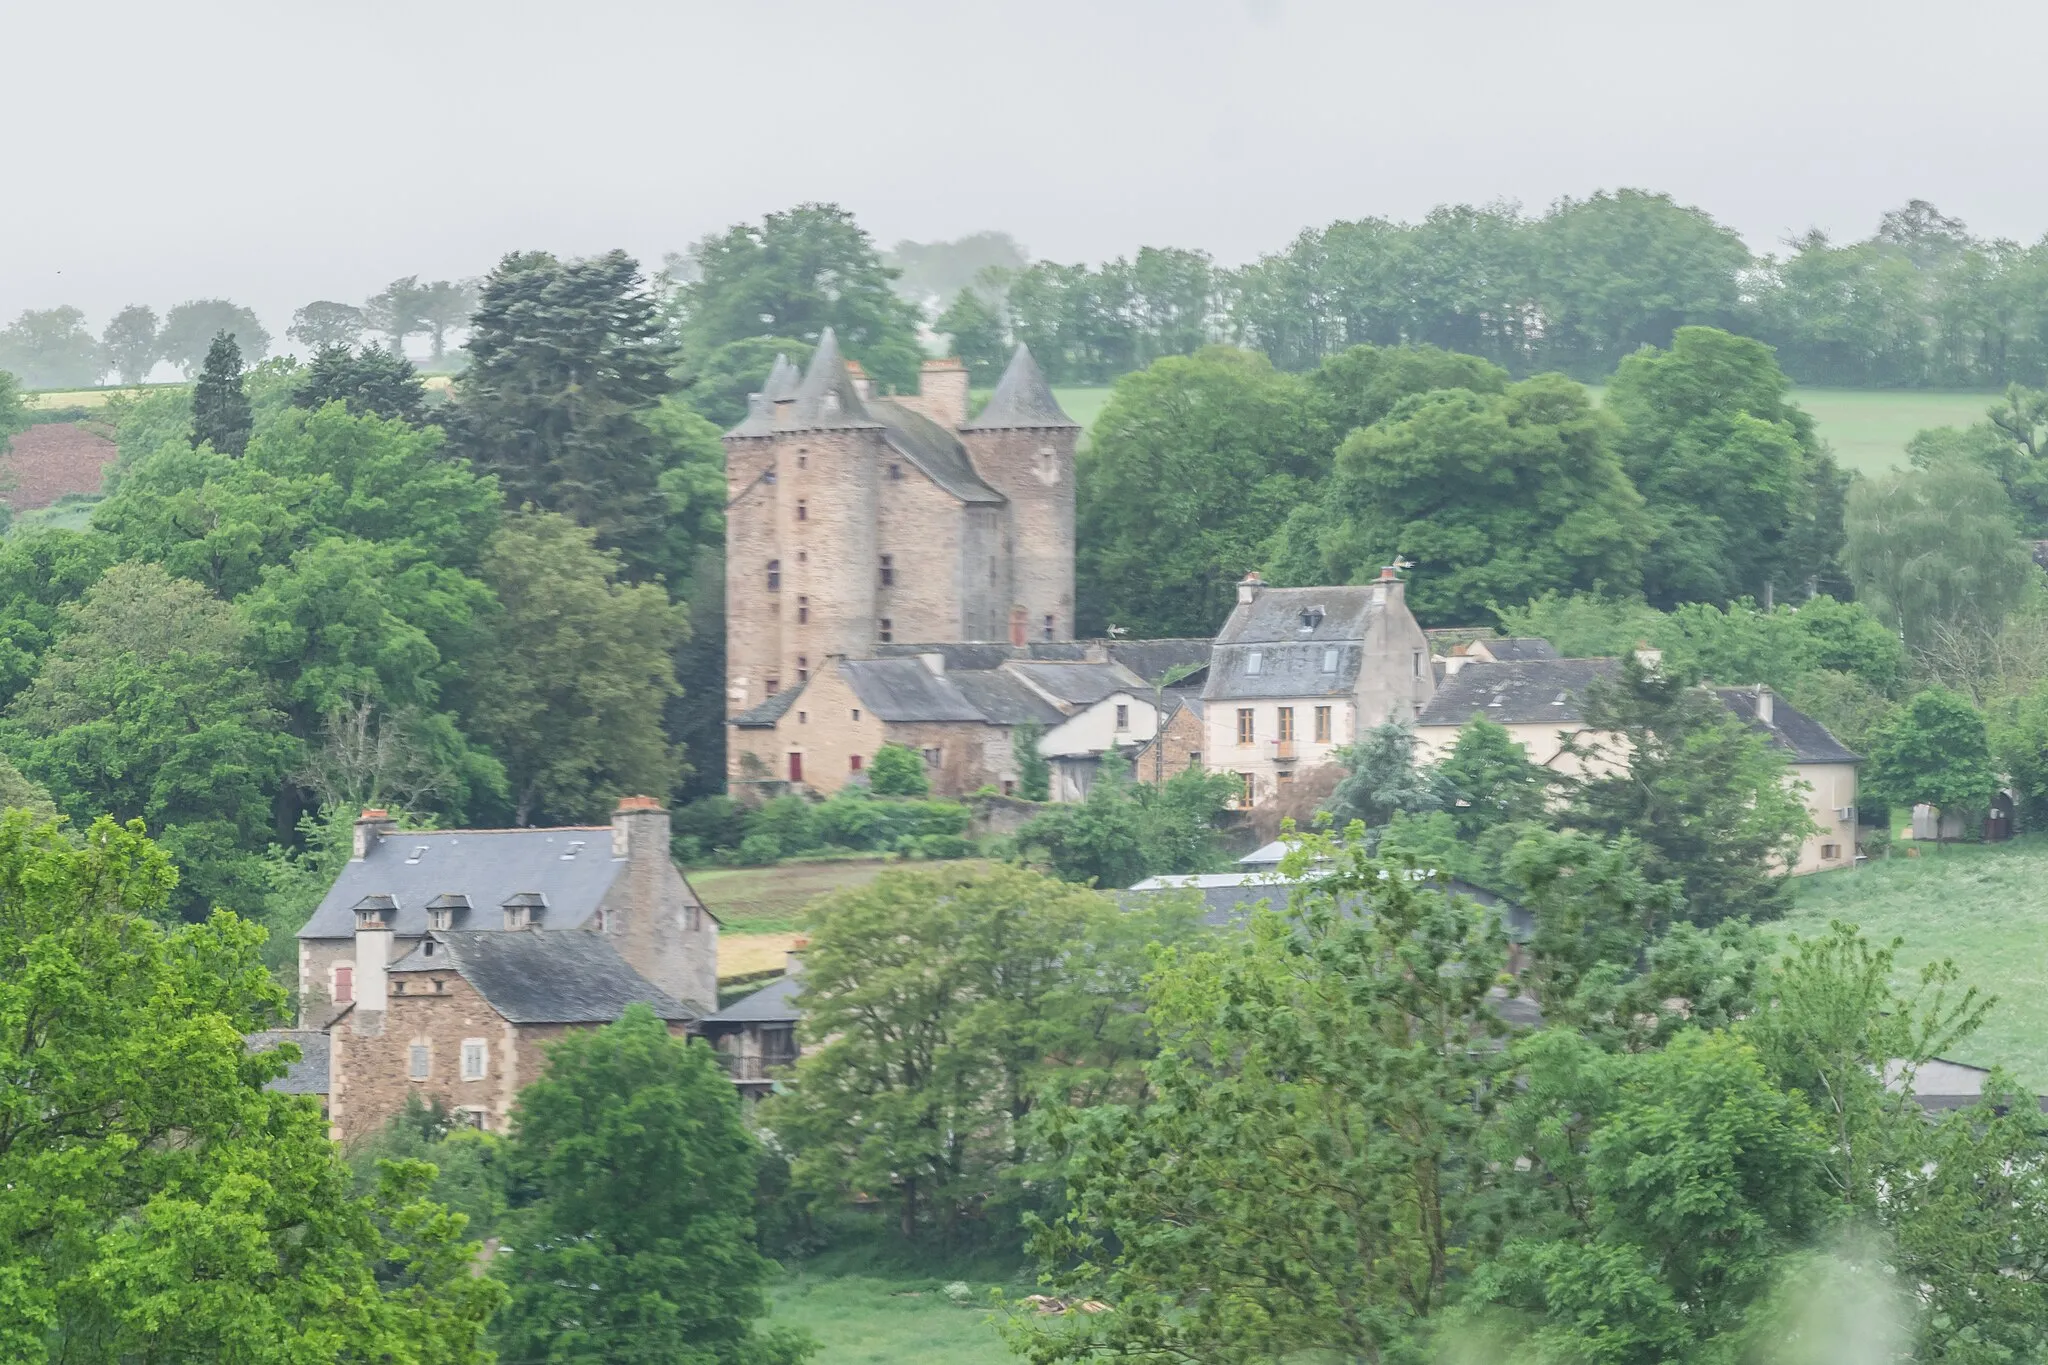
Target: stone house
[[856, 520], [440, 962], [1297, 672], [1539, 701], [757, 1032], [1178, 746]]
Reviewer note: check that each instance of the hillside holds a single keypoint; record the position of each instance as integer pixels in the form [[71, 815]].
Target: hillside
[[1984, 906], [50, 460]]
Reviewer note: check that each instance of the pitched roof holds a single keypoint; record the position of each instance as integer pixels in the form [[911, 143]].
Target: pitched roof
[[1077, 684], [1519, 649], [1151, 659], [905, 690], [763, 715], [986, 653], [774, 1003], [783, 378], [1792, 732], [541, 976], [572, 867], [1532, 692], [1022, 399], [306, 1076], [933, 449], [1004, 699], [1345, 612]]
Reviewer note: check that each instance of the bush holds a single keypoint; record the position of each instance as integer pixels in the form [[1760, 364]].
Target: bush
[[714, 822], [898, 770], [937, 846], [791, 820], [757, 850]]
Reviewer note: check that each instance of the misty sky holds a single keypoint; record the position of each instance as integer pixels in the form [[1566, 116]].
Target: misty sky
[[275, 153]]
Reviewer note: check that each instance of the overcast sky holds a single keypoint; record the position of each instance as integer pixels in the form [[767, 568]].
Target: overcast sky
[[274, 153]]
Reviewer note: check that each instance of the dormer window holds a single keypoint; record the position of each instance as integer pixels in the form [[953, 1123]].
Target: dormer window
[[375, 912], [419, 851], [443, 910], [1311, 617], [524, 911]]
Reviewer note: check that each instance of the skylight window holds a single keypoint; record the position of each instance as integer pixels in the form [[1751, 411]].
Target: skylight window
[[1255, 662], [575, 847], [419, 851]]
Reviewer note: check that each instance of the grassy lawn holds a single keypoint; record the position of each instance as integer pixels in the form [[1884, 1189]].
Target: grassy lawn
[[765, 900], [860, 1318], [1984, 906]]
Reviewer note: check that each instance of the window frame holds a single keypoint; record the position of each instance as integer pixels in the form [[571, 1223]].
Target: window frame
[[1322, 720], [1283, 724], [1247, 726], [479, 1050], [419, 1060]]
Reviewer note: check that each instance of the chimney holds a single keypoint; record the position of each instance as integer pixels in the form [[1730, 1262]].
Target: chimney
[[785, 412], [371, 827], [861, 383], [373, 952], [1649, 657], [1765, 709], [1388, 587], [942, 385], [1248, 588], [793, 959], [640, 828]]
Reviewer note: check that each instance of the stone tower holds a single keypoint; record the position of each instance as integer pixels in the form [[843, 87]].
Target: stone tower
[[855, 519]]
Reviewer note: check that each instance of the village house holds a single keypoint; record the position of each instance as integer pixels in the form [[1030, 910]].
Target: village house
[[440, 963], [1296, 673], [1540, 702]]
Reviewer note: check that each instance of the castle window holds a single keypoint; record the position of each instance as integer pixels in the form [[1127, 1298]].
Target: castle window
[[888, 630], [803, 611], [888, 571], [1048, 627], [896, 472], [775, 575], [803, 667], [398, 987], [1045, 462], [419, 1061], [803, 556], [803, 718], [802, 461], [475, 1059], [1418, 663], [803, 511], [772, 686], [856, 713]]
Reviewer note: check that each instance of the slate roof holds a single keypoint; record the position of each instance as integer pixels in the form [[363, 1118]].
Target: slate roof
[[542, 976], [760, 419], [1151, 659], [1792, 732], [1275, 615], [489, 866], [1081, 684], [306, 1076], [1022, 399], [933, 449], [1005, 700], [774, 1003], [987, 653], [1534, 692], [905, 690], [1291, 631], [1519, 649], [763, 714], [826, 396]]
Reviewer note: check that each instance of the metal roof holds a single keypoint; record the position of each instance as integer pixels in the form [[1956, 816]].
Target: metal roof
[[541, 976], [573, 867]]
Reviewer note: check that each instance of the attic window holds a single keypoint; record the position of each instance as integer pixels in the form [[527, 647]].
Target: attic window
[[419, 851], [1311, 617], [1255, 662], [575, 847], [427, 946], [1330, 659]]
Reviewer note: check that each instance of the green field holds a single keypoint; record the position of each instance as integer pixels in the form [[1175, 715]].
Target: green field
[[766, 900], [1983, 906], [861, 1318]]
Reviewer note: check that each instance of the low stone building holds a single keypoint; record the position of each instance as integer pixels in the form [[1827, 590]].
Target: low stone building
[[1298, 672], [1178, 746], [441, 962]]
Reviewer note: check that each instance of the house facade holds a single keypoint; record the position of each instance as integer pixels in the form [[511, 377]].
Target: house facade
[[1296, 673]]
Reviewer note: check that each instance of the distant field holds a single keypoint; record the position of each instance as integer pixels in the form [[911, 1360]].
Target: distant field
[[858, 1319], [766, 900], [1984, 906], [79, 398]]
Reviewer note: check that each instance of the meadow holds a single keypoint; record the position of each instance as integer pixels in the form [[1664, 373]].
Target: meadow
[[1982, 906]]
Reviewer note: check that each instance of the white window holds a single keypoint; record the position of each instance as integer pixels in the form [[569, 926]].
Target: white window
[[1330, 660], [419, 1061], [476, 1059], [1255, 662]]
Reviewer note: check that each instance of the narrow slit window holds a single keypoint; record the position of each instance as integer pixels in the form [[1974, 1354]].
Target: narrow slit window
[[888, 571], [803, 611], [803, 511], [775, 575], [888, 630]]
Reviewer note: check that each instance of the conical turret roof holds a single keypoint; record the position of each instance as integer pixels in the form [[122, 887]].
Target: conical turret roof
[[783, 378], [827, 397], [1022, 399]]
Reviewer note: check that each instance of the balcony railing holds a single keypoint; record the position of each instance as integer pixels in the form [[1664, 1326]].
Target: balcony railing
[[1283, 751]]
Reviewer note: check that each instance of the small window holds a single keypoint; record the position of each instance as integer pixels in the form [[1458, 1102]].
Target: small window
[[475, 1059], [1123, 717], [1286, 730], [1418, 663], [853, 763], [471, 1116], [772, 686], [803, 611], [803, 667], [1244, 789], [775, 575], [440, 985], [803, 556], [803, 718], [803, 511], [1194, 758], [344, 984], [1046, 467], [1255, 662], [1009, 787], [896, 472], [1048, 628], [419, 1061], [398, 986], [1285, 777], [888, 629], [768, 477], [856, 713], [888, 571], [1244, 725], [931, 758], [1830, 852], [597, 920], [427, 944], [1330, 660], [803, 461], [1322, 725]]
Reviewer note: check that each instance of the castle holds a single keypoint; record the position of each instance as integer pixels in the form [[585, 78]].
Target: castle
[[856, 520]]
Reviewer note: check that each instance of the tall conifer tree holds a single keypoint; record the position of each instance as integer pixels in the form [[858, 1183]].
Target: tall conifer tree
[[220, 409]]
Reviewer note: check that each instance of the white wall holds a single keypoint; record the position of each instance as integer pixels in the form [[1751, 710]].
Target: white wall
[[1222, 753], [1093, 729]]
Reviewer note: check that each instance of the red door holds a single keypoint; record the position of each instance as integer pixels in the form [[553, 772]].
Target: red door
[[796, 767]]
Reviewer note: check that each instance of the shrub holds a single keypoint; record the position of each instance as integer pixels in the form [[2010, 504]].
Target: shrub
[[937, 846], [759, 849], [713, 821], [898, 770], [792, 821]]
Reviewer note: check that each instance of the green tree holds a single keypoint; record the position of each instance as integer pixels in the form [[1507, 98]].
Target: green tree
[[220, 409], [632, 1235], [189, 330], [793, 275], [443, 306], [567, 363], [1361, 384], [580, 670], [1496, 498], [948, 1008], [1487, 780], [1122, 833], [129, 344], [1381, 778], [41, 570], [1583, 625], [146, 708], [975, 329], [324, 323], [898, 770], [1933, 750], [13, 413], [1743, 497], [398, 311], [1703, 794], [158, 1202], [1933, 548], [1034, 773], [1300, 1180], [376, 383], [51, 349], [1189, 469]]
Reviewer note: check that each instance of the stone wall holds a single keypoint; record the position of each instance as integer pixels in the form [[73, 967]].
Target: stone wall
[[1180, 747], [1034, 469], [652, 916], [828, 518], [753, 637], [318, 958], [919, 528]]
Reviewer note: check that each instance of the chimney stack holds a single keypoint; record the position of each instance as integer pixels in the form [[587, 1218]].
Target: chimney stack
[[640, 828], [1765, 709], [1248, 588], [942, 385], [373, 952], [371, 828]]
